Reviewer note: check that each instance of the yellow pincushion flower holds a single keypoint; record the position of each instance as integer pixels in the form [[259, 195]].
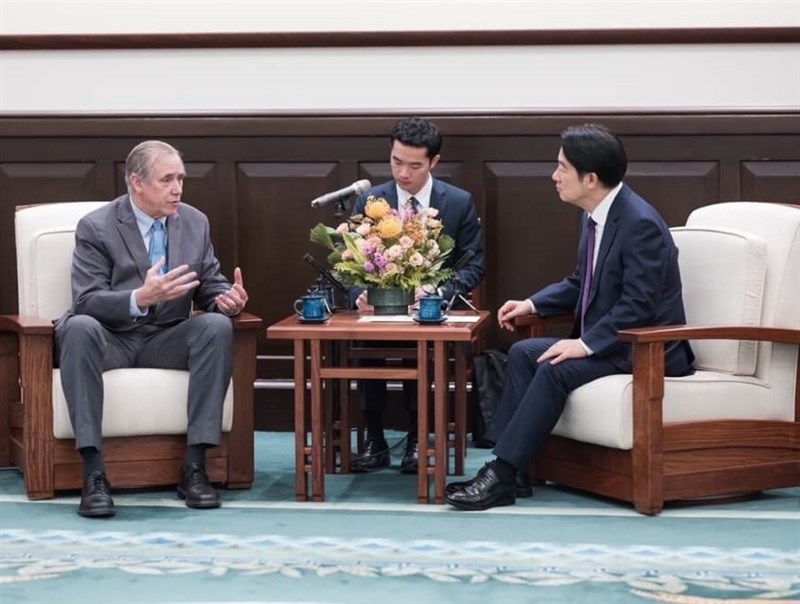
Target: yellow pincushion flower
[[377, 208], [390, 227]]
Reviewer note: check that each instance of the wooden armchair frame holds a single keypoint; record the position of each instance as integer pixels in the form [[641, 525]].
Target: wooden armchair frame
[[676, 461], [50, 464]]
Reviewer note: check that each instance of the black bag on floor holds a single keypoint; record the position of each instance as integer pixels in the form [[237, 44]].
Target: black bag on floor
[[488, 376]]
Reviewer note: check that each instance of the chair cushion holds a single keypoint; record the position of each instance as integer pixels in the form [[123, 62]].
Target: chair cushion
[[723, 273], [138, 402], [45, 238], [601, 412]]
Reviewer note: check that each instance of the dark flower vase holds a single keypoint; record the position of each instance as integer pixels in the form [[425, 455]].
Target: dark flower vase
[[390, 300]]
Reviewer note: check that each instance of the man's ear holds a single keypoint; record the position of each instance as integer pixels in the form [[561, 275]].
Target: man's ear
[[434, 160], [136, 182], [591, 181]]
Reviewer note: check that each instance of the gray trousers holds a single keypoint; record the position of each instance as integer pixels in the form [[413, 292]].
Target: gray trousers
[[202, 344]]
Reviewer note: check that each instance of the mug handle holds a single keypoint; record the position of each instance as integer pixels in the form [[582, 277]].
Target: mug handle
[[445, 307], [297, 310], [327, 306]]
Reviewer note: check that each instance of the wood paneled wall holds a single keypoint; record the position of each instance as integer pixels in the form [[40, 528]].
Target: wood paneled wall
[[255, 176]]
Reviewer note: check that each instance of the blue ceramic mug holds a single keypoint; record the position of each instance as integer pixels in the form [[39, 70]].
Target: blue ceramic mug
[[432, 307], [312, 307]]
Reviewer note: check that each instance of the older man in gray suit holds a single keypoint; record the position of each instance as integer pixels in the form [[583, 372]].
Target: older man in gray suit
[[140, 262]]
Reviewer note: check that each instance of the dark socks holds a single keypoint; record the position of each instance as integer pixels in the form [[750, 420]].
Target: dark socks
[[92, 460], [505, 471], [196, 454], [374, 421]]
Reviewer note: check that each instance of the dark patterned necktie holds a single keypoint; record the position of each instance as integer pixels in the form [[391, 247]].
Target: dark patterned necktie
[[412, 204], [588, 270]]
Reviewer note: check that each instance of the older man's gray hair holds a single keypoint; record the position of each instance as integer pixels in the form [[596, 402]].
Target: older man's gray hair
[[140, 159]]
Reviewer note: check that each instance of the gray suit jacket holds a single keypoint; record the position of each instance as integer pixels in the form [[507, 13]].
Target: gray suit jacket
[[110, 260]]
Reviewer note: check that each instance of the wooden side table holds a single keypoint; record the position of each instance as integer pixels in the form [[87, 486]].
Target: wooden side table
[[346, 327]]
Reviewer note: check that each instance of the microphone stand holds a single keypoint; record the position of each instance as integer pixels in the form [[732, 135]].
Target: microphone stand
[[341, 207], [457, 294], [326, 282]]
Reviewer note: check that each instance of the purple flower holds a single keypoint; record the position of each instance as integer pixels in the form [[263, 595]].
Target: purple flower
[[380, 260], [369, 267]]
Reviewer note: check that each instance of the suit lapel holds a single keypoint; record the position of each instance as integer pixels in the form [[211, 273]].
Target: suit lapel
[[131, 237], [174, 241], [389, 193], [609, 233], [438, 197]]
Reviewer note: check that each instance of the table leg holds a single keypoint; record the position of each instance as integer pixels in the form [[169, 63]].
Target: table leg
[[317, 419], [461, 407], [422, 422], [344, 413], [331, 399], [440, 418], [300, 434]]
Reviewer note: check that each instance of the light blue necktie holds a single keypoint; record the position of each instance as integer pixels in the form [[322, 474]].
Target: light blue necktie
[[158, 245]]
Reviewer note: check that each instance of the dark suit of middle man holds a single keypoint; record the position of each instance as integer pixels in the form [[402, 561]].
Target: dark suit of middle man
[[414, 153]]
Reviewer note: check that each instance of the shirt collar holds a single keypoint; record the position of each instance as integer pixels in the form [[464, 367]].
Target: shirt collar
[[600, 214], [143, 221], [423, 196]]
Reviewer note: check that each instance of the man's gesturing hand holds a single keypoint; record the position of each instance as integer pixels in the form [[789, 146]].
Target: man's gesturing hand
[[232, 301], [163, 288]]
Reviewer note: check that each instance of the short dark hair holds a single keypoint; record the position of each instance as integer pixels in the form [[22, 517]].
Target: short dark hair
[[594, 148], [418, 132]]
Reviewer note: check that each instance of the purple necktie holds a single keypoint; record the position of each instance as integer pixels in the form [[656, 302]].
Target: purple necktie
[[587, 272]]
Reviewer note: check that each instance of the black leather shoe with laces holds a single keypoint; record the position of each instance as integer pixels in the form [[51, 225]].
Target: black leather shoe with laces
[[522, 483], [485, 491], [195, 488], [410, 461], [374, 455], [96, 499]]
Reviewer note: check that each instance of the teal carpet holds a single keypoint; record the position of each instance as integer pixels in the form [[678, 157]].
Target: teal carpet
[[371, 542]]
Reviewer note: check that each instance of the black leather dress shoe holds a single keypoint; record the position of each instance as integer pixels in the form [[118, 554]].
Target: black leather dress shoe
[[410, 461], [195, 488], [374, 455], [96, 499], [522, 484], [485, 491]]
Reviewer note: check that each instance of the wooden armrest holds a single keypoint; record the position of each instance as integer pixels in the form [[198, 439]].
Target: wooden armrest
[[28, 325], [246, 321], [645, 335]]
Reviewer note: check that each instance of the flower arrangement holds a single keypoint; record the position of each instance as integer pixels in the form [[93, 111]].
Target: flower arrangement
[[384, 248]]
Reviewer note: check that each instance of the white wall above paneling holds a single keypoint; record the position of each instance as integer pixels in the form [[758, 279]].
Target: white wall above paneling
[[715, 77], [152, 16], [561, 78]]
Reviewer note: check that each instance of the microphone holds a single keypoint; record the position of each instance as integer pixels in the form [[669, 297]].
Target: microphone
[[357, 188], [326, 274], [462, 262]]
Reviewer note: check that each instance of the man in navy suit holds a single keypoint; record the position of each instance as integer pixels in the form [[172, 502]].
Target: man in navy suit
[[627, 276], [416, 143]]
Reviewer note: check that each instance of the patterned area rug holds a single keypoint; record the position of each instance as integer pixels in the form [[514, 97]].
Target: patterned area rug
[[371, 542]]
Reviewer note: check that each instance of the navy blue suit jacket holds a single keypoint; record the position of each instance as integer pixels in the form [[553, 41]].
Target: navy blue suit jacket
[[636, 283], [459, 221]]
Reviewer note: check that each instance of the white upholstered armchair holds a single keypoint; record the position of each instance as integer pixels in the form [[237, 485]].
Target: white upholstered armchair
[[144, 419], [732, 427]]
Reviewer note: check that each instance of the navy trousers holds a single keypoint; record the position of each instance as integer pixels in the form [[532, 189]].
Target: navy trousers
[[534, 396]]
